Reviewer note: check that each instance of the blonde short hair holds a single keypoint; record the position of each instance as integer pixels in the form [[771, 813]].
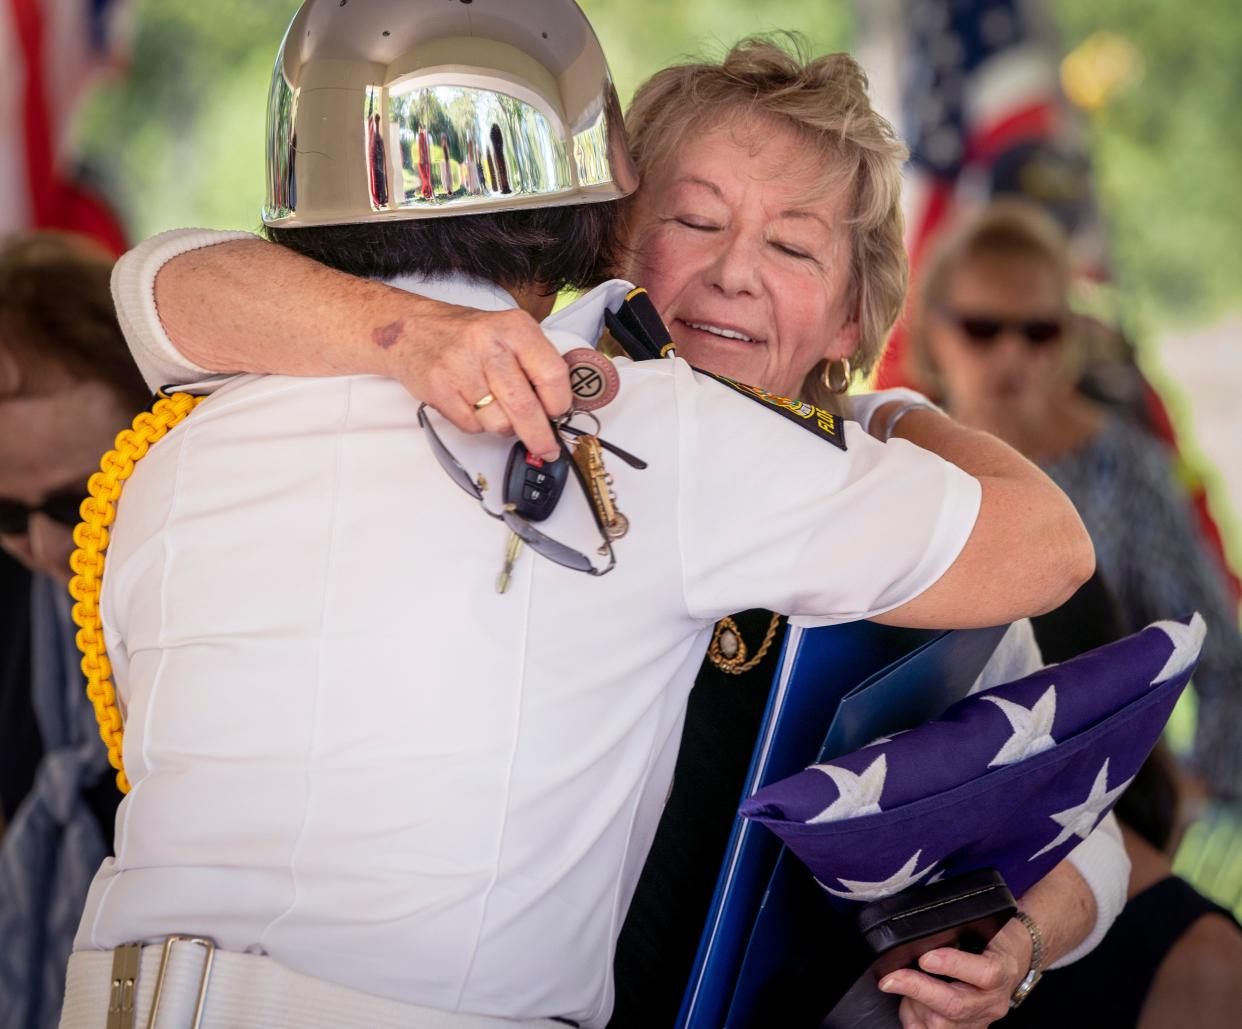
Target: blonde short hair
[[825, 99], [1007, 228]]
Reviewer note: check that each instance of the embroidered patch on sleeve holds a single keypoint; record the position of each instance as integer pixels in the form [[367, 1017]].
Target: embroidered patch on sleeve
[[824, 424]]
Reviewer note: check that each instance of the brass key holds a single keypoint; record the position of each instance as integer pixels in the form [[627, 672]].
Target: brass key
[[589, 457], [512, 550]]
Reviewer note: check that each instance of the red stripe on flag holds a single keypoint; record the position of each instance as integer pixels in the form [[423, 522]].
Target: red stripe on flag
[[1037, 121], [1164, 430], [54, 203], [935, 213], [36, 123], [895, 368], [80, 210]]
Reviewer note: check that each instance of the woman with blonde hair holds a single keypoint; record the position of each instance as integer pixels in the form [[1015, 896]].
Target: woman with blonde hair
[[994, 334], [995, 337], [67, 385], [768, 233]]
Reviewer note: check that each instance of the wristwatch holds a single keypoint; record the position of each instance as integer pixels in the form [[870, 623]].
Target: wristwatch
[[1036, 971]]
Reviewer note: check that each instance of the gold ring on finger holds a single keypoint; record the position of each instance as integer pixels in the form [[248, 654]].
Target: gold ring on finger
[[483, 401]]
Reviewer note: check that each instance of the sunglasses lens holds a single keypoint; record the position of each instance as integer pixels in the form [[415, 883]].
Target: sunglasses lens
[[1042, 331], [982, 330], [544, 546], [446, 460], [13, 518], [65, 507]]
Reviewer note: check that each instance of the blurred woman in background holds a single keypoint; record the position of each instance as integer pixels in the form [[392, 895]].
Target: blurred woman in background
[[994, 337], [67, 385]]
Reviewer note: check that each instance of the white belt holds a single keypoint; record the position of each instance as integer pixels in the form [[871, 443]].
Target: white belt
[[201, 986]]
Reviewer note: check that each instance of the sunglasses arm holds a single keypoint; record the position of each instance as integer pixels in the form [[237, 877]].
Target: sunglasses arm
[[626, 456]]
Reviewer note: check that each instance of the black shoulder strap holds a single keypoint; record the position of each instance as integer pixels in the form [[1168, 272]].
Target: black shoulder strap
[[638, 329]]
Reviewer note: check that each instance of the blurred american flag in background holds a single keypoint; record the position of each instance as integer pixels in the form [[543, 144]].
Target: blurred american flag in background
[[983, 113], [50, 52], [975, 92], [975, 89]]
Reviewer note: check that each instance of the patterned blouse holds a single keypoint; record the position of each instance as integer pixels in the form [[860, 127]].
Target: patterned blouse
[[1149, 552]]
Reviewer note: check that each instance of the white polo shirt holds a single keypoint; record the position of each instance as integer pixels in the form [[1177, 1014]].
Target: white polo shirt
[[349, 752]]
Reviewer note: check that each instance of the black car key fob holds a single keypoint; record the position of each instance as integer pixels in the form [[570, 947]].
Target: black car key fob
[[532, 485]]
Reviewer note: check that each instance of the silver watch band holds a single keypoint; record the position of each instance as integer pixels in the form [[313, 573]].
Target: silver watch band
[[1036, 971]]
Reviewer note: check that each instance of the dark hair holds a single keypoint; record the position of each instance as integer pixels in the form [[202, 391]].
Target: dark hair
[[553, 247], [1149, 805], [56, 312]]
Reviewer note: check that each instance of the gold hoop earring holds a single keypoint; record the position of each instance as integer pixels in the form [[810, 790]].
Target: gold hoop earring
[[843, 383]]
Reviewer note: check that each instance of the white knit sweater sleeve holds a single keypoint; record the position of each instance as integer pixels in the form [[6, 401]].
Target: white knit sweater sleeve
[[1101, 858], [133, 292], [864, 405]]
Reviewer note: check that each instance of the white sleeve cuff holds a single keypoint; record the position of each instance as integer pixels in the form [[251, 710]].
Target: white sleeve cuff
[[1101, 859], [864, 405], [133, 292]]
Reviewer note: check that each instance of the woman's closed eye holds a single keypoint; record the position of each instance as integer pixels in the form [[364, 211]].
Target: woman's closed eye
[[698, 224], [792, 251]]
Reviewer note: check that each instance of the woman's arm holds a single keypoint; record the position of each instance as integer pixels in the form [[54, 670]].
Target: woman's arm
[[1028, 551], [246, 305], [1061, 904]]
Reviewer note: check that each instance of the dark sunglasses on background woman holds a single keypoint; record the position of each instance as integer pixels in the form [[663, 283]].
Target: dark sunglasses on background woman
[[62, 507], [985, 329]]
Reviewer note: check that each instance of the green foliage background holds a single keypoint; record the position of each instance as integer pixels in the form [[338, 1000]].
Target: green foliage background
[[179, 141], [1168, 156]]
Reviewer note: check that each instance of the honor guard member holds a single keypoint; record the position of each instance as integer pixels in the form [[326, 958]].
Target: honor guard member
[[366, 787]]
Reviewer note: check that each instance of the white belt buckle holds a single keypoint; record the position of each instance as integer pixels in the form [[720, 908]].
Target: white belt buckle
[[126, 960], [210, 947]]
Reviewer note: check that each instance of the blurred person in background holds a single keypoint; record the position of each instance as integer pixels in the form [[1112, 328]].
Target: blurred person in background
[[67, 385], [994, 334], [749, 291]]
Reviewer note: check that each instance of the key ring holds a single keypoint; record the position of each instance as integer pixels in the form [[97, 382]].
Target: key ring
[[612, 448], [562, 423]]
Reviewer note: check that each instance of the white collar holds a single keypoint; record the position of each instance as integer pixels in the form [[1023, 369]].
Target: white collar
[[577, 325]]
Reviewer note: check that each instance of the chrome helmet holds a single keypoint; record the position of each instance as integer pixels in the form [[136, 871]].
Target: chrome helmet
[[386, 109]]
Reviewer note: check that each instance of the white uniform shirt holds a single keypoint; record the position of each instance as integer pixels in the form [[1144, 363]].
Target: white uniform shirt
[[349, 752]]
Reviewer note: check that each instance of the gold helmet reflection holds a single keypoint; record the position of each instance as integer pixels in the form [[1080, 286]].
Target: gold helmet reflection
[[386, 109]]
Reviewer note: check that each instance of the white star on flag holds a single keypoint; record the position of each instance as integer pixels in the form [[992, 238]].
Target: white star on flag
[[895, 883], [1082, 818], [856, 794], [1187, 642], [883, 739], [1032, 729]]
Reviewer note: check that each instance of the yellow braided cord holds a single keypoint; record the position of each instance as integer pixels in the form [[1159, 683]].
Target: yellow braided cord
[[91, 537]]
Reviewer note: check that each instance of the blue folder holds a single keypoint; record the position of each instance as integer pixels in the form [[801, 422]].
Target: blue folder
[[836, 688]]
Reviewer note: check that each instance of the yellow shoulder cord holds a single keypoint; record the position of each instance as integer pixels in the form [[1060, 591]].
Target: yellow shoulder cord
[[91, 537]]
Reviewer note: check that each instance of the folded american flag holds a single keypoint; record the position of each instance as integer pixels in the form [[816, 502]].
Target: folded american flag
[[1011, 778]]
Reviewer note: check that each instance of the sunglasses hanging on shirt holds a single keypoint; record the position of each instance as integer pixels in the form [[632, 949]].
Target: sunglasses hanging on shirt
[[519, 511], [533, 487]]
